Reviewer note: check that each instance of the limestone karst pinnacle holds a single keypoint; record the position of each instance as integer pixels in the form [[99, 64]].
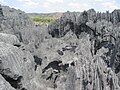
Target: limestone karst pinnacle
[[78, 51]]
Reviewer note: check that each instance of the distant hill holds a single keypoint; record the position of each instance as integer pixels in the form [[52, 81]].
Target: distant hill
[[57, 14]]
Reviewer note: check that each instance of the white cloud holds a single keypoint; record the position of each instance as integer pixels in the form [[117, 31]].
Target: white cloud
[[79, 6], [64, 5], [74, 4], [111, 5], [100, 5], [29, 2], [98, 0], [54, 1], [3, 2], [46, 5], [40, 3], [53, 5]]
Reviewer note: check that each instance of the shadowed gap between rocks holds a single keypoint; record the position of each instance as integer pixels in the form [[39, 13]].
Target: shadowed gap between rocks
[[38, 61], [54, 65], [14, 83]]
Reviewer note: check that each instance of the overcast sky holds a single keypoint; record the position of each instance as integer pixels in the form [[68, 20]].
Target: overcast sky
[[43, 6]]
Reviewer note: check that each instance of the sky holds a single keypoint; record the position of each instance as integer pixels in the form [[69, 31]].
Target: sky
[[47, 6]]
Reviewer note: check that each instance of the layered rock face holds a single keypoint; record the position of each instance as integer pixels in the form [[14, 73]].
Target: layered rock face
[[79, 51], [97, 53], [14, 63], [16, 22]]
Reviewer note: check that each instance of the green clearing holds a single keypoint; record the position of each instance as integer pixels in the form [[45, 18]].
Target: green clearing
[[43, 19]]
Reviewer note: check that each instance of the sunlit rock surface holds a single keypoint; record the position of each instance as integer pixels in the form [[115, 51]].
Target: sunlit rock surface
[[79, 51]]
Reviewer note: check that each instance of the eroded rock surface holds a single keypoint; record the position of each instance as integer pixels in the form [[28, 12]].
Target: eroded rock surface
[[79, 51], [96, 37]]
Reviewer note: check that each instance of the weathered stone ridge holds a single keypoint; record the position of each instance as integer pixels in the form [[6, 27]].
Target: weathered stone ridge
[[79, 51], [103, 30]]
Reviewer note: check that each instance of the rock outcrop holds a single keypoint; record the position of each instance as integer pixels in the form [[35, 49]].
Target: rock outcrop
[[16, 22], [8, 38], [99, 52], [14, 63], [79, 51]]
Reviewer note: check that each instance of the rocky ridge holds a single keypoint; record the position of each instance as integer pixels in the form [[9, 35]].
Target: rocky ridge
[[79, 51]]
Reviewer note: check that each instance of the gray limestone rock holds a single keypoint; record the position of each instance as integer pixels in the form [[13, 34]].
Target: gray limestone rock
[[78, 51], [8, 38], [16, 66]]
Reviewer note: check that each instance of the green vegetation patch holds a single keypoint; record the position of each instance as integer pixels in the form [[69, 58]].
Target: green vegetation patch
[[43, 19]]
